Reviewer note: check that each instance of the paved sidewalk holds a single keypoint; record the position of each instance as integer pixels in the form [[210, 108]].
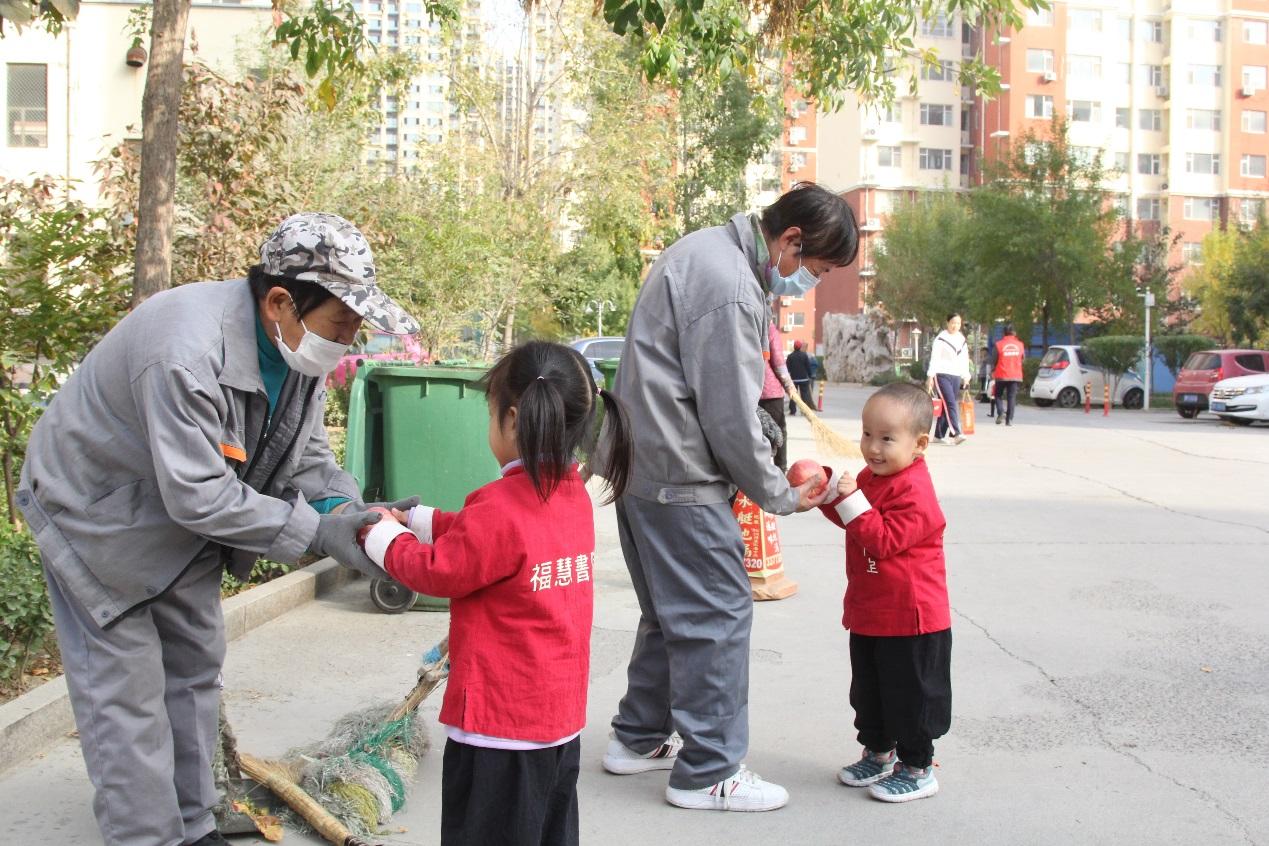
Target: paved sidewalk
[[1109, 586]]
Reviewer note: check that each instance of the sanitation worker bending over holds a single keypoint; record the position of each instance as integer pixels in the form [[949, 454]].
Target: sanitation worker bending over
[[690, 377]]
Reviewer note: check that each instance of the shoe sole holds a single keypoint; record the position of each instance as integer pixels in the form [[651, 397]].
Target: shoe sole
[[906, 797], [699, 802], [861, 782], [634, 766]]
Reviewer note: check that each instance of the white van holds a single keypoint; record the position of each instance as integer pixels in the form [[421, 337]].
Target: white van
[[1065, 369]]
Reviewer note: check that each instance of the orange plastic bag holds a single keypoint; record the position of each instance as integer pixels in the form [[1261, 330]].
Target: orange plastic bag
[[967, 414]]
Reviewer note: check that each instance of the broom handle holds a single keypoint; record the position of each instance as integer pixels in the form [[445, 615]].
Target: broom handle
[[429, 680], [322, 821]]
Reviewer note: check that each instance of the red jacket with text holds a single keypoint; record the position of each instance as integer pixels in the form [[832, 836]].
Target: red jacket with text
[[896, 579], [519, 575], [1009, 355]]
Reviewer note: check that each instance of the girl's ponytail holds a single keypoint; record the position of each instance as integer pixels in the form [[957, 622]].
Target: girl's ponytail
[[541, 435], [616, 449]]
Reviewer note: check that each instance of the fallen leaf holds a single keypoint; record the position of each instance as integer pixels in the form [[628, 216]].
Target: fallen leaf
[[1206, 669]]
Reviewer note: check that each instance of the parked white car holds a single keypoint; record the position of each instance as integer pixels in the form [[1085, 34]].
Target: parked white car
[[1065, 369], [1242, 399]]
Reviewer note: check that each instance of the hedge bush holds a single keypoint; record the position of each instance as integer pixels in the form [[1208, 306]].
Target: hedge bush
[[26, 618]]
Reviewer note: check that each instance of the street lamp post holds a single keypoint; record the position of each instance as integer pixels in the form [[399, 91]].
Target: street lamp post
[[598, 306], [916, 344], [1148, 296]]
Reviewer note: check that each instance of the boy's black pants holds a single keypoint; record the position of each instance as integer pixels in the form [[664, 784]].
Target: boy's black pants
[[499, 797], [901, 690]]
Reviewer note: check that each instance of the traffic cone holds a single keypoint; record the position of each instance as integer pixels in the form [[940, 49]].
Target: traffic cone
[[763, 560], [819, 404]]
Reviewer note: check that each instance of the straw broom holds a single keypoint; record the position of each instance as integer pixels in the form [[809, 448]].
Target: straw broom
[[829, 441], [282, 777]]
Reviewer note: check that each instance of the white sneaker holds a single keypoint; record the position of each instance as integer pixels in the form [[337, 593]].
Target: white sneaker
[[744, 791], [959, 439], [620, 760]]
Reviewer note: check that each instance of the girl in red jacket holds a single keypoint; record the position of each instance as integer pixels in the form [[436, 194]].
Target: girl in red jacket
[[518, 563], [896, 605]]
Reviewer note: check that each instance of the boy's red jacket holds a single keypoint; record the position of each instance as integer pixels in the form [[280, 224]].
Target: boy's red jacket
[[1009, 355], [896, 579], [519, 573]]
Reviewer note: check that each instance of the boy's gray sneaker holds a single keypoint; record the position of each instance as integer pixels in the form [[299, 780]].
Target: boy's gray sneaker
[[905, 784], [620, 760], [869, 769]]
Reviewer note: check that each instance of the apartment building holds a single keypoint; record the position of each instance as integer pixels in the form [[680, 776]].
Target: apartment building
[[69, 99], [1171, 94]]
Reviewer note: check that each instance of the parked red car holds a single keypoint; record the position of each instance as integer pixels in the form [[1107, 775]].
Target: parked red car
[[1202, 370], [378, 346]]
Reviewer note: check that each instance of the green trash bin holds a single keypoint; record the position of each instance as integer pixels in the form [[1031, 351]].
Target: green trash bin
[[418, 430], [608, 367]]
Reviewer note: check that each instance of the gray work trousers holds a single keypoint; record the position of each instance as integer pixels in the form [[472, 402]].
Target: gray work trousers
[[145, 696], [690, 667]]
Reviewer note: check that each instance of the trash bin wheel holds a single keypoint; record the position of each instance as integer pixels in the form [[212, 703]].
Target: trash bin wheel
[[391, 596]]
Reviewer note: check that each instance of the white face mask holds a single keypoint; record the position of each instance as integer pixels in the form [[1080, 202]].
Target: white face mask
[[315, 356]]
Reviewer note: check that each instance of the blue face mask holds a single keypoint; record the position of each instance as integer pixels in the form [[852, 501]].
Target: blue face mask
[[790, 286]]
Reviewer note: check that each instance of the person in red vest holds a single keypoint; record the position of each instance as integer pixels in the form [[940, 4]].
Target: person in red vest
[[518, 562], [1008, 374]]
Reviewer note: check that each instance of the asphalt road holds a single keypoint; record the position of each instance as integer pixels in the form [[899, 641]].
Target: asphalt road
[[1109, 580]]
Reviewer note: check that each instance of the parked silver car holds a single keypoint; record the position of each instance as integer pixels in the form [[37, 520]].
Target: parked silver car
[[1064, 371]]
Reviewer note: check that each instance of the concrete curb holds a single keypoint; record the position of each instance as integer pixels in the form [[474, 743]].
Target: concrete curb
[[35, 720]]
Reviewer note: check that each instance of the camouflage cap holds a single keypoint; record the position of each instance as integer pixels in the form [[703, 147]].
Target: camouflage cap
[[326, 249]]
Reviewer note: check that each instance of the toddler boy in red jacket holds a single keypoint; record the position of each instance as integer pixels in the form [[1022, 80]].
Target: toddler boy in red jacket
[[896, 605]]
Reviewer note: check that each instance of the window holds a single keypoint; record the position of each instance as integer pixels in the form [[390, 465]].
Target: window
[[943, 71], [1254, 77], [797, 134], [1205, 75], [1084, 67], [1207, 163], [1039, 61], [1250, 361], [1084, 111], [1039, 106], [1147, 209], [1201, 208], [934, 114], [1148, 164], [1252, 166], [27, 105], [1205, 30], [891, 114], [1151, 31], [1150, 119], [1249, 210], [1123, 118], [1121, 163], [1152, 74], [1254, 32], [1040, 17], [1203, 119], [889, 157], [1123, 26], [1253, 121], [1033, 150], [1192, 252], [1087, 20], [1085, 156], [939, 27], [1120, 202], [933, 159]]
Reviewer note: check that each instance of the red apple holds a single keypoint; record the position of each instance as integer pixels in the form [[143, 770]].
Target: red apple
[[806, 469], [365, 530]]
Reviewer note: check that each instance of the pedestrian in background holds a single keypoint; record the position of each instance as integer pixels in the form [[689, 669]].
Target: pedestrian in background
[[801, 370], [775, 387], [1008, 374], [949, 371]]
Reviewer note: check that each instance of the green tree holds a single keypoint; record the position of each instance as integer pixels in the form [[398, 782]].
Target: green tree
[[835, 46], [1248, 287], [1208, 285], [1136, 263], [1116, 355], [1042, 231], [923, 269], [1176, 349]]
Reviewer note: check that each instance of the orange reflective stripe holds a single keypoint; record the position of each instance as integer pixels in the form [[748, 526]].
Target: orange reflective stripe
[[231, 451]]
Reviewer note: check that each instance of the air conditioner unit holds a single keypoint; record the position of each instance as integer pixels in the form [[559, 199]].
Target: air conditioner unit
[[870, 133], [905, 352], [1050, 76], [786, 301], [1249, 90], [1161, 90], [1163, 187]]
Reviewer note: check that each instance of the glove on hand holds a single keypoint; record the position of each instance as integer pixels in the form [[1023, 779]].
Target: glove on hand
[[358, 506], [337, 537], [770, 430]]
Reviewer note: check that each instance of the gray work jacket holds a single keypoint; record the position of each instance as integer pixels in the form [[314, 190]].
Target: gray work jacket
[[155, 447], [692, 371]]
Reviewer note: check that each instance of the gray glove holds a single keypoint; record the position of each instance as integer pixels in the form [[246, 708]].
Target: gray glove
[[770, 430], [337, 537], [357, 505]]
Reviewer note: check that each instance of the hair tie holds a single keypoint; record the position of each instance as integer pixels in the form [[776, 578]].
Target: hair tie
[[541, 378]]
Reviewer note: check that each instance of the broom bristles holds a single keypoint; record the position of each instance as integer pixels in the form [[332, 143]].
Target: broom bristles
[[828, 440]]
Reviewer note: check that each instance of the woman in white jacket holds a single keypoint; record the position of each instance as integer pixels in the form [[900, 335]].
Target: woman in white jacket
[[949, 370]]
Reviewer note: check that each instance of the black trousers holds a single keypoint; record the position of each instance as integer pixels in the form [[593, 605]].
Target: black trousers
[[775, 407], [804, 390], [1006, 392], [497, 797], [901, 690]]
